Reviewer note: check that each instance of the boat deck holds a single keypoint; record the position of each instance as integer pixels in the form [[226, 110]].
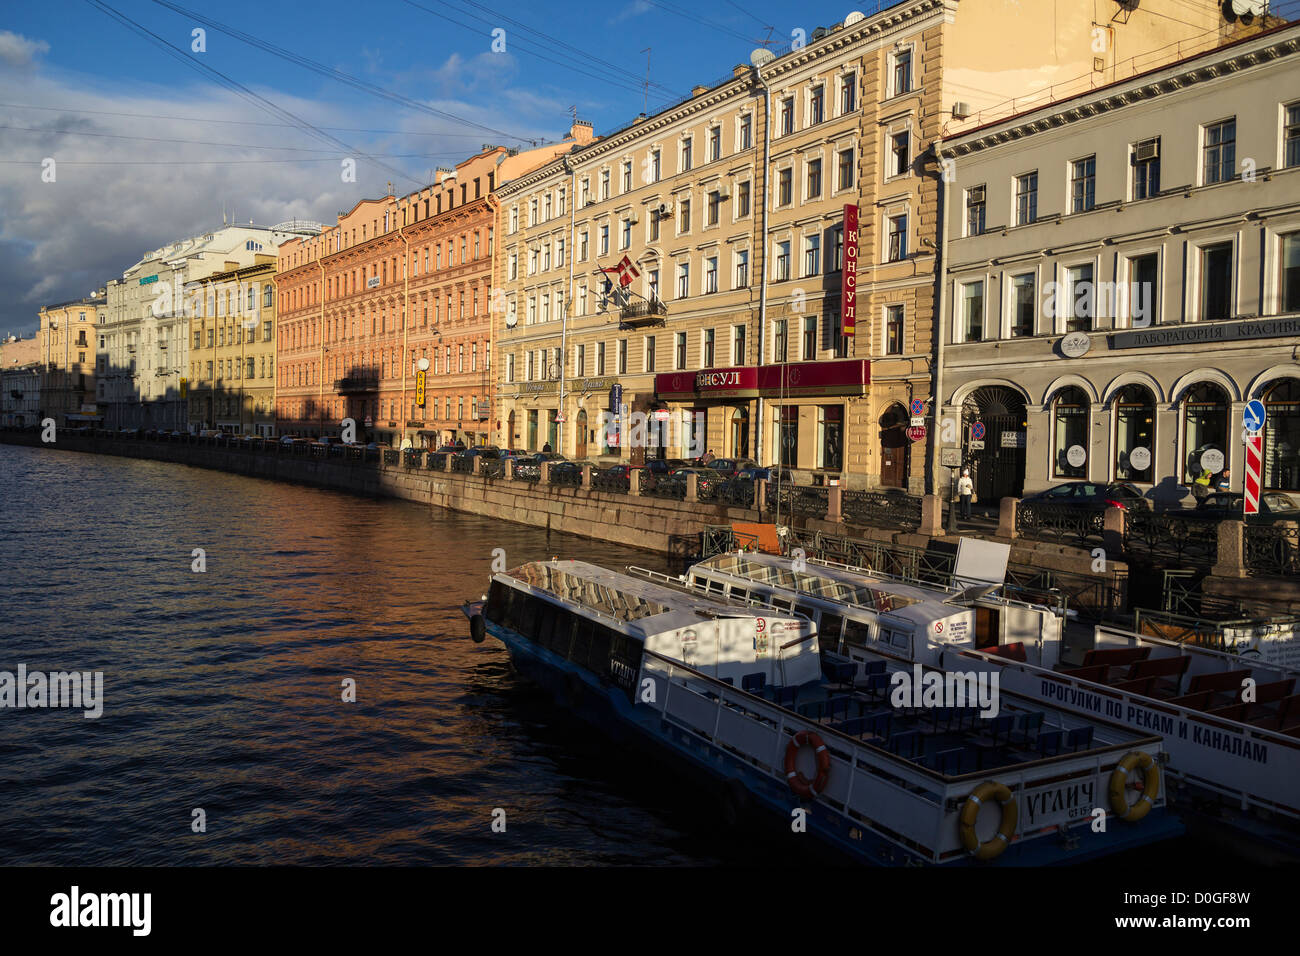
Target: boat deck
[[950, 740]]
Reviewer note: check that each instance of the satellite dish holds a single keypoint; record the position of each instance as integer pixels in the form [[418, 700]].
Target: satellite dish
[[854, 17], [761, 57], [1248, 8], [554, 371], [511, 320]]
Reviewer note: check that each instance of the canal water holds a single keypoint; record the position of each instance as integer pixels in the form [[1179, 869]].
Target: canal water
[[222, 689]]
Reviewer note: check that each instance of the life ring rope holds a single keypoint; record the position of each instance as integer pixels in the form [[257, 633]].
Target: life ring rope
[[797, 782], [1149, 786]]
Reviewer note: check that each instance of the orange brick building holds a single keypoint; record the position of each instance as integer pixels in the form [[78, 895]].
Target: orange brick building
[[397, 283]]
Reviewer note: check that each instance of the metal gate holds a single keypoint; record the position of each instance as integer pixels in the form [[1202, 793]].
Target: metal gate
[[998, 469]]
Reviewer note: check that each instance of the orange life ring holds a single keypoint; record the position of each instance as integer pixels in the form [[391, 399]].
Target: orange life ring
[[797, 781]]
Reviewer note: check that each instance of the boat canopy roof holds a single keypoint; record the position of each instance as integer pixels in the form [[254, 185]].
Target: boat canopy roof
[[653, 607], [834, 584]]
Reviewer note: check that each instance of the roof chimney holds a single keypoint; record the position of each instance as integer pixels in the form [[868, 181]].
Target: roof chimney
[[581, 132], [740, 69], [697, 90]]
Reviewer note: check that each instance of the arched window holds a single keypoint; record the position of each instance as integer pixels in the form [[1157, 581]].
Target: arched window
[[1205, 424], [1069, 431], [740, 432], [1282, 435], [1135, 429]]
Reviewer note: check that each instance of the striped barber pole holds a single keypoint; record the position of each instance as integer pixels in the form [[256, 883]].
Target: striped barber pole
[[1254, 460]]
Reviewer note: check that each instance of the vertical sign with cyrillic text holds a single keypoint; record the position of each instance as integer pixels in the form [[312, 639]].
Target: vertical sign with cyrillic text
[[849, 287]]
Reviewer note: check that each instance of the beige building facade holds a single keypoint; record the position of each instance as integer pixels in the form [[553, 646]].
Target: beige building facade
[[730, 210], [1124, 277], [68, 335]]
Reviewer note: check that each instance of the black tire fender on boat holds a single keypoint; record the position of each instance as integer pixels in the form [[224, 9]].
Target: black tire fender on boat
[[477, 628]]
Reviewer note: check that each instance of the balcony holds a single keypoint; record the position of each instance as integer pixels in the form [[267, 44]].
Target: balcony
[[356, 386], [643, 313]]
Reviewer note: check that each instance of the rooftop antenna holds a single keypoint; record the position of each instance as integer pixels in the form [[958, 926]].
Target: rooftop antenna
[[645, 108]]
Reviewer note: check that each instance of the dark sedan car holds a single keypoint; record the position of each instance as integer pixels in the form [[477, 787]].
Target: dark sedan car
[[729, 466], [1086, 497], [1273, 506]]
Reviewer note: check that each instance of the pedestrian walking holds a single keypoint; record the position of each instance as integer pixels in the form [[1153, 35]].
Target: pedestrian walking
[[1225, 481], [1201, 484], [708, 456], [965, 488], [546, 447]]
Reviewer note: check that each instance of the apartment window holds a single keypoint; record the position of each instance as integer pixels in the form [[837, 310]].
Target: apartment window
[[784, 192], [583, 247], [1290, 272], [683, 280], [627, 176], [1024, 304], [652, 281], [546, 215], [715, 144], [902, 72], [626, 239], [683, 217], [600, 358], [1080, 298], [972, 311], [746, 131], [580, 361], [814, 179], [812, 258], [604, 240], [622, 356], [737, 345], [1026, 198], [679, 357], [782, 261], [781, 344], [706, 348], [894, 330], [1070, 428], [975, 210], [1216, 281], [656, 165], [742, 268], [848, 93], [559, 252], [900, 153], [1143, 289], [837, 249], [532, 214], [652, 225], [715, 202], [650, 353], [687, 145], [1219, 154], [787, 115], [846, 169], [584, 193], [742, 200], [1291, 137], [711, 274], [514, 219], [817, 105], [510, 366], [809, 338], [1083, 184], [897, 238], [604, 184]]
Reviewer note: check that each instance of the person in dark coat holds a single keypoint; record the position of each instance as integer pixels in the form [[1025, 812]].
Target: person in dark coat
[[546, 447]]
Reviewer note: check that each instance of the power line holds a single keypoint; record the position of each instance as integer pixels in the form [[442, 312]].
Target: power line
[[330, 72], [238, 88], [196, 162], [190, 142]]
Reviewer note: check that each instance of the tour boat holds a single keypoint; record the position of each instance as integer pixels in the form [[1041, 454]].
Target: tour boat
[[1230, 723], [740, 697]]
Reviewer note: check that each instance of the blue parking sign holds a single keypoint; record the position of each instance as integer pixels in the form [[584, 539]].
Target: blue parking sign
[[1253, 415]]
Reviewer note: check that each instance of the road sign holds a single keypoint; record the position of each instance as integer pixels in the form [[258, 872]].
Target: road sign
[[1254, 458], [1253, 415], [976, 445], [419, 388], [918, 420], [1012, 439], [977, 430], [918, 407], [950, 457], [916, 433]]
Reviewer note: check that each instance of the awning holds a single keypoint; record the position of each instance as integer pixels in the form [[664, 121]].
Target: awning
[[792, 379]]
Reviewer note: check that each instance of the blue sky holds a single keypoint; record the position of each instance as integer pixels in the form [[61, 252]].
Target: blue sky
[[134, 131]]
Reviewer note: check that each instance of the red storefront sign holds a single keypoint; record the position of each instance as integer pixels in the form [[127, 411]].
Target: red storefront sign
[[849, 274], [844, 377]]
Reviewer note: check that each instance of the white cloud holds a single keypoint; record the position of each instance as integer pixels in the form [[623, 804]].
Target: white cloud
[[18, 51]]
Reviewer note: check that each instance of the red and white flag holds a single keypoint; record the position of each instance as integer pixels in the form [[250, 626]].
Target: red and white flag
[[626, 271]]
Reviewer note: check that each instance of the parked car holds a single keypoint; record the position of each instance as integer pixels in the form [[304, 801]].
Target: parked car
[[619, 476], [1088, 497], [486, 452], [569, 471], [707, 481], [729, 466], [1273, 506]]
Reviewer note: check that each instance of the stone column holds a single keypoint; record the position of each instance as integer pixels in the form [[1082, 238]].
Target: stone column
[[1115, 523], [834, 503], [510, 469], [1007, 517], [1231, 561], [692, 487], [546, 472], [760, 495], [446, 462], [634, 481], [586, 477], [476, 464], [931, 516]]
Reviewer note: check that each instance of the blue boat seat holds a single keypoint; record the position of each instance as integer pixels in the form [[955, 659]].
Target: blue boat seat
[[1030, 725], [1079, 739], [908, 744], [948, 762], [873, 667], [1000, 728], [785, 696], [1049, 743], [754, 683]]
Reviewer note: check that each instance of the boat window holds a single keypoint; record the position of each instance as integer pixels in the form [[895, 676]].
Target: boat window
[[716, 587], [857, 633], [739, 594], [806, 610], [899, 638], [782, 603], [828, 629], [698, 580]]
